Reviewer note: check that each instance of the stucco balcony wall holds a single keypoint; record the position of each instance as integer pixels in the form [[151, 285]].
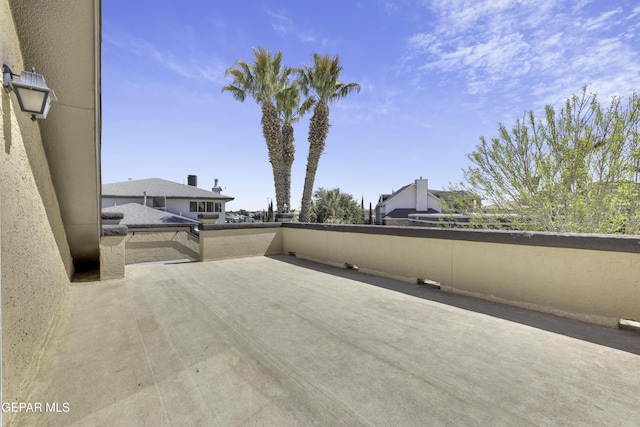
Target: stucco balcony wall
[[160, 245], [223, 241]]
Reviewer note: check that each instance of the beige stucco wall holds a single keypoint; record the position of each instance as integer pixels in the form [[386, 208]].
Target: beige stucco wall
[[590, 285], [112, 257], [61, 39], [239, 242], [35, 260], [397, 257], [146, 246]]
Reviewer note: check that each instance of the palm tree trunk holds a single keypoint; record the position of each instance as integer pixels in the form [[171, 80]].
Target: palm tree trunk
[[318, 130], [271, 132], [288, 151]]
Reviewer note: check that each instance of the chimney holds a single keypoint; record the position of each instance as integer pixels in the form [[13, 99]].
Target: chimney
[[422, 195], [192, 180], [215, 188]]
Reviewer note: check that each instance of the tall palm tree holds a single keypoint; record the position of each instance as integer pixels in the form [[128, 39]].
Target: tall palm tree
[[290, 111], [263, 80], [321, 84]]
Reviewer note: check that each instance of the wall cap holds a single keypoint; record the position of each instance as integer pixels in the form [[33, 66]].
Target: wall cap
[[240, 225], [599, 242], [112, 215], [114, 230]]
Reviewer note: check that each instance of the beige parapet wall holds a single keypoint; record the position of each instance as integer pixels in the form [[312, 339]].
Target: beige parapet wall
[[153, 246], [222, 241], [585, 277]]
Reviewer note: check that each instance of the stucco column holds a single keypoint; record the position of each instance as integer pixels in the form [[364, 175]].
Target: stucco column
[[112, 246]]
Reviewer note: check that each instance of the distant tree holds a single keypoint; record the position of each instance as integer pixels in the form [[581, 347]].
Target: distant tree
[[321, 83], [333, 206], [575, 170], [270, 216]]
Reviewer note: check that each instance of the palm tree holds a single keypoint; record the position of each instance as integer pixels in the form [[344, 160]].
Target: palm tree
[[290, 111], [264, 80], [321, 84]]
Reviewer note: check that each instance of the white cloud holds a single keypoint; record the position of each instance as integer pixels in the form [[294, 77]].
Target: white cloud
[[548, 47], [389, 7], [282, 24], [184, 62], [602, 20]]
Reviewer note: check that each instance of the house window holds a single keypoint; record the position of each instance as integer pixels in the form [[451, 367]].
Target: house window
[[204, 206], [160, 203]]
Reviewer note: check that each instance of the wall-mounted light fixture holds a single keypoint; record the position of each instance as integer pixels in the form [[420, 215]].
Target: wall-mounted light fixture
[[34, 96]]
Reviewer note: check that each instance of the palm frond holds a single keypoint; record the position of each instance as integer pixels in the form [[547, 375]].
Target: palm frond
[[236, 92]]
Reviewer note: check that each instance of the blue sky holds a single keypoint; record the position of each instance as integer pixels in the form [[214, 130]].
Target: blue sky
[[435, 76]]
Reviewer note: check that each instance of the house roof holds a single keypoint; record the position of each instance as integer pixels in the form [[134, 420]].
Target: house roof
[[385, 197], [404, 213], [157, 187], [455, 193], [139, 215]]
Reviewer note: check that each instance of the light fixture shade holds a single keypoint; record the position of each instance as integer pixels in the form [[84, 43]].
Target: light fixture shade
[[34, 96]]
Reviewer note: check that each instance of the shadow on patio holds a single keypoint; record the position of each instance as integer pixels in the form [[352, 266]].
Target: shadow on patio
[[620, 339]]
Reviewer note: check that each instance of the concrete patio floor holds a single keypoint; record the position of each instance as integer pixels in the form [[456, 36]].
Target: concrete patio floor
[[280, 341]]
